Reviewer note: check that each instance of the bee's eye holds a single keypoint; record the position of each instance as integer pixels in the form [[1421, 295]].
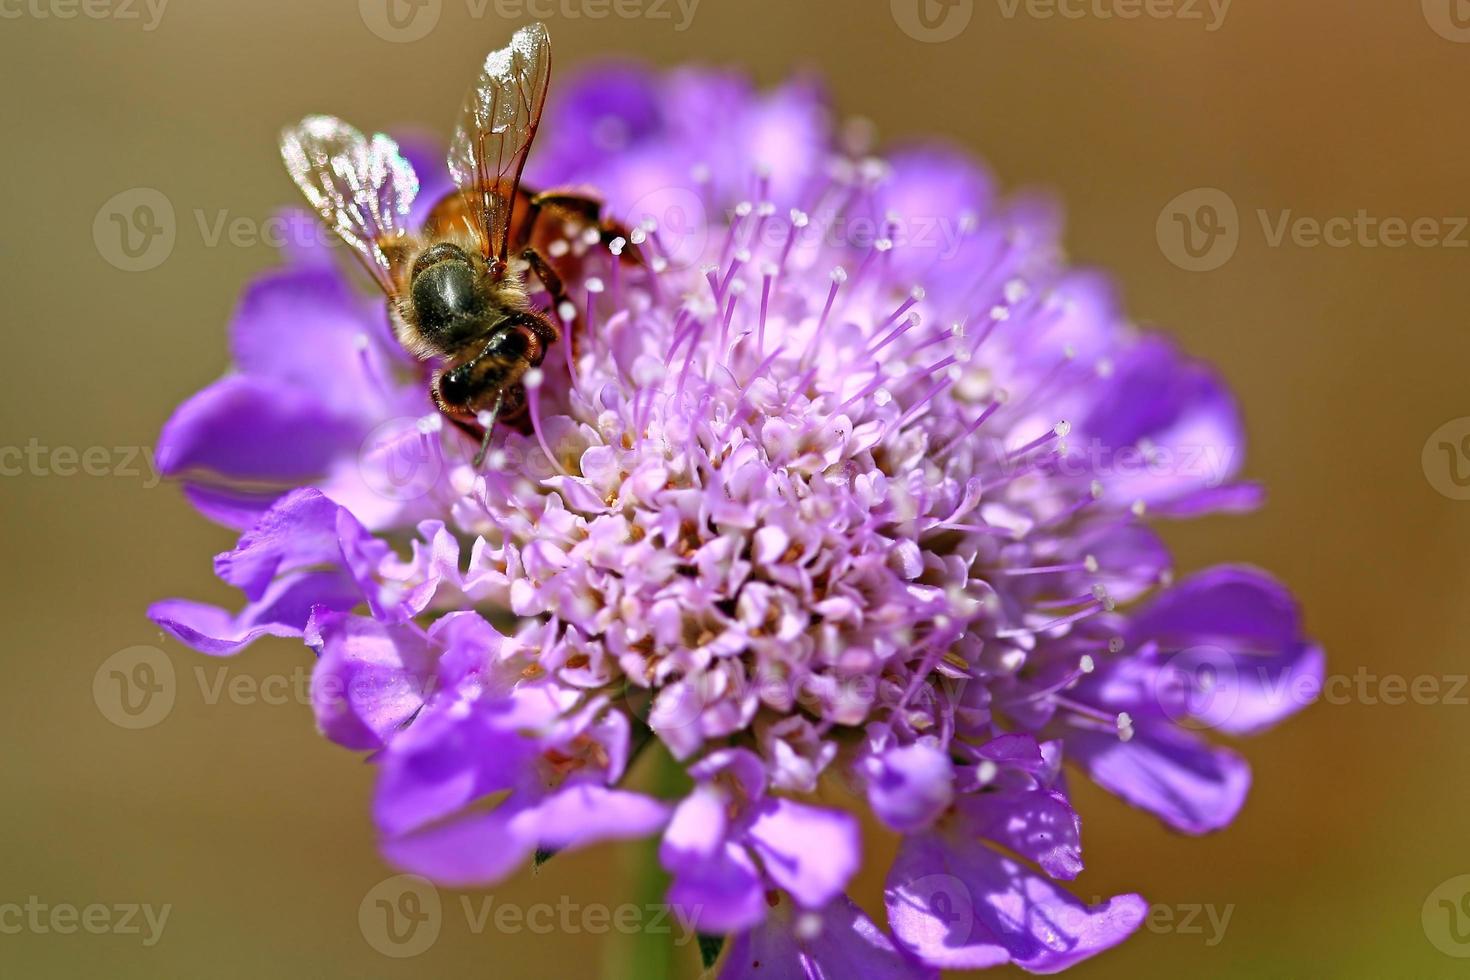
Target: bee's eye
[[456, 385], [509, 344]]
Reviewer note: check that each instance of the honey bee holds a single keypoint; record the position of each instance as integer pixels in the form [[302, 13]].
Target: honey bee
[[457, 288]]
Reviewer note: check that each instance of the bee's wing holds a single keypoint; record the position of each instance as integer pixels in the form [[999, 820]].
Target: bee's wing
[[496, 126], [362, 187]]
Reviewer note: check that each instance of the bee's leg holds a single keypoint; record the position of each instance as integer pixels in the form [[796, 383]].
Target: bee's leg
[[548, 276], [489, 424], [559, 301], [581, 207], [581, 204]]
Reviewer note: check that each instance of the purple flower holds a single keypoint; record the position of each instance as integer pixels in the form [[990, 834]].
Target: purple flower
[[847, 481]]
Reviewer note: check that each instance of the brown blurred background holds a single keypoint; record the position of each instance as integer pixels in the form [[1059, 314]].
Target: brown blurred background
[[255, 832]]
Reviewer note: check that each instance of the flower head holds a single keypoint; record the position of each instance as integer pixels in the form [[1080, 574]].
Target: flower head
[[845, 476]]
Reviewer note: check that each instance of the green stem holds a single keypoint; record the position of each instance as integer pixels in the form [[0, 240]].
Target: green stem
[[651, 955]]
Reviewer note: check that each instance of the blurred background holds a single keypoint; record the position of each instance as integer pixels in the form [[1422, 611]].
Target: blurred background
[[224, 810]]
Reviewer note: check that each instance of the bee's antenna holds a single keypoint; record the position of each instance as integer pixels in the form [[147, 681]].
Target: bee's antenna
[[487, 419]]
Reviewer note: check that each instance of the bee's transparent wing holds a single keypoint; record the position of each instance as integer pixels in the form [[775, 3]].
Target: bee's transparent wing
[[495, 130], [362, 187]]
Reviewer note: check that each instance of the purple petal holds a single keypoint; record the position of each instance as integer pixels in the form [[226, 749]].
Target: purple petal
[[470, 648], [909, 787], [483, 848], [306, 242], [579, 814], [303, 529], [931, 190], [720, 895], [598, 111], [837, 943], [810, 852], [1267, 692], [283, 609], [697, 830], [255, 429], [447, 759], [1083, 314], [1020, 751], [1131, 560], [1190, 786], [959, 905], [1035, 824], [733, 129], [1233, 498], [370, 679], [1230, 605], [472, 852], [785, 132], [1231, 642], [933, 180], [435, 561], [1185, 414], [796, 752], [302, 328], [234, 508], [740, 765]]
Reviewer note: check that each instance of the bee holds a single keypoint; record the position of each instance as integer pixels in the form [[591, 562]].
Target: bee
[[457, 287]]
